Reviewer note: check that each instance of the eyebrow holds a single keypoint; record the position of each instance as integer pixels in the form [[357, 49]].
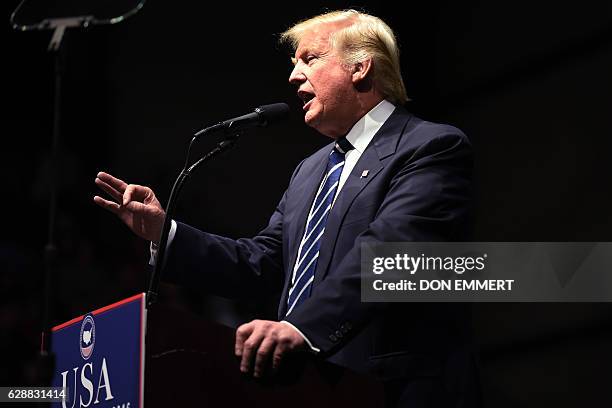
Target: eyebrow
[[297, 56], [304, 51]]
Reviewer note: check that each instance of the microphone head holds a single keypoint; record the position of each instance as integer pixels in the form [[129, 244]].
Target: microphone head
[[272, 113]]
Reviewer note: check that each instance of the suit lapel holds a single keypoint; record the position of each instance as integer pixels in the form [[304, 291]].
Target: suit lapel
[[382, 146], [353, 186]]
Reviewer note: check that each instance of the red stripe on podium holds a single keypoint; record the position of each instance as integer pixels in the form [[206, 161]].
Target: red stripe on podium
[[98, 311]]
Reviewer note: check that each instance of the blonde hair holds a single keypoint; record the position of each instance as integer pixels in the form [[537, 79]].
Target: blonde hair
[[366, 37]]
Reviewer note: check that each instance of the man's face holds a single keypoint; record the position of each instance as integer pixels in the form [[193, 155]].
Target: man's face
[[324, 84]]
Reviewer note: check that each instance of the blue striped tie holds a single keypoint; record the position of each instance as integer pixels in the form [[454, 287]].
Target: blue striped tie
[[308, 252]]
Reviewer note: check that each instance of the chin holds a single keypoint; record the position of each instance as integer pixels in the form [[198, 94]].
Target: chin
[[311, 119]]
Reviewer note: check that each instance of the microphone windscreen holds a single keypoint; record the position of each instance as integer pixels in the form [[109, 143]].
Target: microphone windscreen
[[273, 112]]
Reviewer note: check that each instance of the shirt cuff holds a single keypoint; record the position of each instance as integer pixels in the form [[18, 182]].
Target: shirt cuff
[[312, 348], [153, 247]]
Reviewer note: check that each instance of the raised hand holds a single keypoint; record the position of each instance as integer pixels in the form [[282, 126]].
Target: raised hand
[[135, 205]]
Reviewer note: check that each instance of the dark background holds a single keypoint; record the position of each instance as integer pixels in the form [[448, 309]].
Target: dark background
[[529, 82]]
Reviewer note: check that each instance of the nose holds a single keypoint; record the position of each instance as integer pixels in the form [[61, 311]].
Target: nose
[[297, 76]]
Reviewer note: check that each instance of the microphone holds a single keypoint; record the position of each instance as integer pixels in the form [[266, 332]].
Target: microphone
[[261, 116]]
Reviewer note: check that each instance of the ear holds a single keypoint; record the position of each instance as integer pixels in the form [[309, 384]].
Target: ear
[[361, 70]]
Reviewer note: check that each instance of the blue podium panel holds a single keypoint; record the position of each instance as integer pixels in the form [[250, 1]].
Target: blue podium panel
[[100, 356]]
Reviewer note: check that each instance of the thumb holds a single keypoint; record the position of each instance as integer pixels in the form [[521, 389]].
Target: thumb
[[132, 191], [135, 206]]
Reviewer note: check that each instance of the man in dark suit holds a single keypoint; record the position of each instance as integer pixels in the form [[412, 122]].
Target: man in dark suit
[[387, 177]]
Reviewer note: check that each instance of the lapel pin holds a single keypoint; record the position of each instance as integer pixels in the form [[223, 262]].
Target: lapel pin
[[365, 173]]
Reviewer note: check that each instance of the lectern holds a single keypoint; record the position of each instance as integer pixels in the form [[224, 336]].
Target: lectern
[[189, 361]]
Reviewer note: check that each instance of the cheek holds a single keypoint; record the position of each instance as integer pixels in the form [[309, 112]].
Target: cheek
[[334, 99], [331, 91], [331, 85]]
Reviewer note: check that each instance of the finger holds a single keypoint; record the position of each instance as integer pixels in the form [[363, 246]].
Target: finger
[[263, 355], [134, 192], [277, 357], [114, 193], [242, 333], [251, 345], [114, 182], [107, 205]]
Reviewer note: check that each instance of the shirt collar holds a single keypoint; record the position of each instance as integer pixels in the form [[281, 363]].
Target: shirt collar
[[362, 133]]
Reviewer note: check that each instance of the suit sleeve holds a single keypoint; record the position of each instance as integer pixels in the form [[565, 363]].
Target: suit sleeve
[[427, 199], [242, 268]]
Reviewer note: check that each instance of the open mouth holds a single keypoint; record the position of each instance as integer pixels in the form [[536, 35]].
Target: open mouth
[[306, 97]]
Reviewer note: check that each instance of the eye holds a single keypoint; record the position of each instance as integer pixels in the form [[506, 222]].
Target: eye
[[309, 58]]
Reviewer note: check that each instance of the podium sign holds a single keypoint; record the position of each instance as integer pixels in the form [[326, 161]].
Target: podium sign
[[100, 356]]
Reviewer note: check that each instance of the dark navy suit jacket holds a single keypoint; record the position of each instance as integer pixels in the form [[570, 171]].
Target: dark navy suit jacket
[[418, 188]]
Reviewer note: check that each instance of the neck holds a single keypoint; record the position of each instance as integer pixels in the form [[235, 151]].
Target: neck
[[363, 104]]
